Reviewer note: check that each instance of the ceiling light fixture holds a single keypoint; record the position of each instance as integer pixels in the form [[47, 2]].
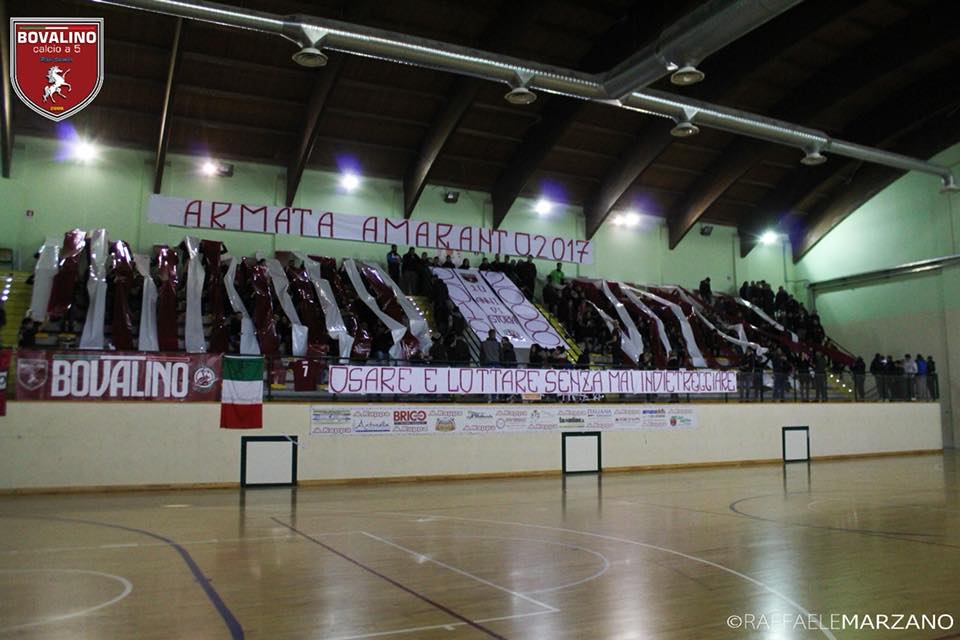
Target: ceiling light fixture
[[687, 75], [813, 157], [543, 206], [310, 57], [84, 151], [768, 237], [349, 181], [684, 129]]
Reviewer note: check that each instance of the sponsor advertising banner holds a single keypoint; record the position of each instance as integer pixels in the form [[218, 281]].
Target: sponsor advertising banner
[[114, 375], [317, 223], [398, 380], [332, 420]]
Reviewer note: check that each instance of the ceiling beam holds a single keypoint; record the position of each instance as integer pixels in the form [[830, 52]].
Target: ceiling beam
[[879, 56], [164, 141], [725, 70], [925, 142], [6, 106], [505, 31], [908, 109], [323, 83], [623, 38]]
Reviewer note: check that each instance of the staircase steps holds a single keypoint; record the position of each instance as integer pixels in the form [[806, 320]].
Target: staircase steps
[[573, 349]]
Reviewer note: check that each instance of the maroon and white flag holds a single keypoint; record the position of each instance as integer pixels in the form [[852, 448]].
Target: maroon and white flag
[[56, 64]]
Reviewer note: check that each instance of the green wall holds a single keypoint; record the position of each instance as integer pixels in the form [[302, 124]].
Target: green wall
[[908, 221], [113, 191]]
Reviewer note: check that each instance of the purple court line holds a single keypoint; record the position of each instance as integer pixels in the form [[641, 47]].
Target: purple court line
[[416, 594], [236, 630]]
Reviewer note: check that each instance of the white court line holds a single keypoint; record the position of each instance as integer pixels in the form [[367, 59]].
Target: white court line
[[127, 588], [131, 545], [593, 576], [450, 626], [752, 580], [421, 557]]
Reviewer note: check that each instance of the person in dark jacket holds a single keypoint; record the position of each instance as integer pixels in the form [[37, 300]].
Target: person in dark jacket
[[508, 356], [438, 350], [879, 377], [820, 377], [393, 264], [859, 371], [490, 350], [932, 383], [410, 271]]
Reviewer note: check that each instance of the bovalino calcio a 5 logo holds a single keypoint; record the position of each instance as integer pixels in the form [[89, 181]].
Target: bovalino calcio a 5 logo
[[56, 64]]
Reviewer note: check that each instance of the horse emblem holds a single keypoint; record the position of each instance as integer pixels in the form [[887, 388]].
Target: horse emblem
[[56, 81]]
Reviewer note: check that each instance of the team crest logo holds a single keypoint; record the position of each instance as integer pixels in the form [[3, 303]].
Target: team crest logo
[[31, 373], [203, 378], [56, 64]]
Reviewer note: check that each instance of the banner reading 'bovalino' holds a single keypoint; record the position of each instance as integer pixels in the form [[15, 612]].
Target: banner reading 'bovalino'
[[113, 375], [347, 379]]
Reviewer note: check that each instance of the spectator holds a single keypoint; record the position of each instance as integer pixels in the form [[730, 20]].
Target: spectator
[[527, 275], [556, 277], [490, 350], [458, 351], [583, 361], [484, 265], [28, 332], [920, 386], [410, 266], [781, 369], [803, 376], [465, 264], [448, 263], [745, 375], [536, 357], [705, 291], [933, 385], [508, 356], [393, 263], [878, 371], [438, 350], [859, 370], [910, 375], [424, 274], [780, 302], [820, 377], [496, 265]]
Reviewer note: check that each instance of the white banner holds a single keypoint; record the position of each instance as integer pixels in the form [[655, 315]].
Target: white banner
[[334, 420], [317, 223], [92, 336], [399, 380], [532, 321], [193, 338], [490, 308]]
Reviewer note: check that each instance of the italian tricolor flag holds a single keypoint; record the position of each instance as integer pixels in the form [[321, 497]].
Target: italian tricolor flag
[[241, 400]]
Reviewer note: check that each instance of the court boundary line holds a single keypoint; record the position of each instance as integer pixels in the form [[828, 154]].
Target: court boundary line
[[439, 563], [654, 547], [126, 591], [399, 585], [233, 625]]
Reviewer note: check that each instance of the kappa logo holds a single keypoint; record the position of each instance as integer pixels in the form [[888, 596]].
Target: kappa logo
[[56, 64], [31, 373]]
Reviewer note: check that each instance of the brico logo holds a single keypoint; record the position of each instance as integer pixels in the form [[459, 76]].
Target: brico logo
[[416, 416]]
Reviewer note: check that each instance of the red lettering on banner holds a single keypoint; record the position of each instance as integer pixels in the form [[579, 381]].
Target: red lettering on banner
[[516, 243], [371, 381], [543, 241], [404, 383], [216, 215], [428, 383], [370, 226], [553, 249], [325, 222], [386, 379], [337, 378], [244, 210], [443, 230], [582, 246], [194, 208], [421, 237], [403, 226], [500, 233], [466, 239], [282, 217], [550, 381], [484, 237], [303, 213]]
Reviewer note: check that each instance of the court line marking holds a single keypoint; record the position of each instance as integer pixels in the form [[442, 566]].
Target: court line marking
[[449, 627], [131, 545], [439, 563], [127, 589], [826, 632], [594, 576], [233, 625], [371, 570]]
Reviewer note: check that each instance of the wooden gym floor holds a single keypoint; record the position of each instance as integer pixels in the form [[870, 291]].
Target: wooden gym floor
[[668, 554]]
